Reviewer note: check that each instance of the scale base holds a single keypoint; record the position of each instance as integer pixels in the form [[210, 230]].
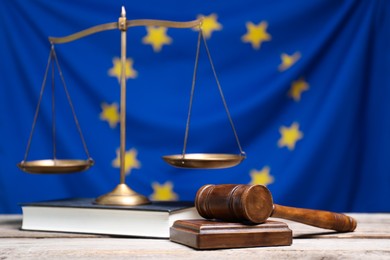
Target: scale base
[[122, 195], [209, 234]]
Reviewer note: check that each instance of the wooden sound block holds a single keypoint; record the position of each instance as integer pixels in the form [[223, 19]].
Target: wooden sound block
[[208, 234]]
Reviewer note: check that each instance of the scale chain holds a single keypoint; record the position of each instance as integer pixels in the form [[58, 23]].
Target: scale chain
[[53, 109], [220, 91], [52, 56], [222, 96], [192, 93], [71, 105], [38, 105]]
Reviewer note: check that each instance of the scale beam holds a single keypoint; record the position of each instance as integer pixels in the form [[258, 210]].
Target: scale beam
[[129, 23]]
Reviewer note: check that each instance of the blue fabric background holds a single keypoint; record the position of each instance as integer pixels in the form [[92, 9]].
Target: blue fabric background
[[340, 164]]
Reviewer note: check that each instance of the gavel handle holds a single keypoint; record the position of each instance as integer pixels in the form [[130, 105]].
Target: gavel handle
[[317, 218]]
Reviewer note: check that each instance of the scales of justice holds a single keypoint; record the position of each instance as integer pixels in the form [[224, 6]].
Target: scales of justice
[[122, 193]]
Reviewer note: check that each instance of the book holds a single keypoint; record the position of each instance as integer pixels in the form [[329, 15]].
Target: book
[[81, 215]]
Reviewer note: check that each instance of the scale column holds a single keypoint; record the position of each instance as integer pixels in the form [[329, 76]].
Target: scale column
[[122, 194], [123, 28]]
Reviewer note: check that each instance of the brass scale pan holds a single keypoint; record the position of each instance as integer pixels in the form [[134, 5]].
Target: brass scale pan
[[192, 160], [49, 166], [204, 160]]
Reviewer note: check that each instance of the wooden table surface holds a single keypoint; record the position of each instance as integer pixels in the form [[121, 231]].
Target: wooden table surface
[[371, 240]]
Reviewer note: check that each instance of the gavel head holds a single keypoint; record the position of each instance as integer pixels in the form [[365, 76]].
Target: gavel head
[[234, 203]]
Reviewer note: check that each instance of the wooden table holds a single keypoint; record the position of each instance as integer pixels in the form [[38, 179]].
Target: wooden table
[[371, 240]]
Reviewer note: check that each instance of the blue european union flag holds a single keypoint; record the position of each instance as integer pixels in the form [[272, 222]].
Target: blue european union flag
[[306, 82]]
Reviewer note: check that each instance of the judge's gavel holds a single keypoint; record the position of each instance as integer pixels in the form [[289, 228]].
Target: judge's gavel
[[253, 204]]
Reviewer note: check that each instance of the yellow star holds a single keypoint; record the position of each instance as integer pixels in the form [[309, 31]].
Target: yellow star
[[163, 192], [256, 34], [157, 37], [110, 114], [116, 70], [209, 24], [261, 177], [288, 60], [289, 136], [131, 161], [297, 87]]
